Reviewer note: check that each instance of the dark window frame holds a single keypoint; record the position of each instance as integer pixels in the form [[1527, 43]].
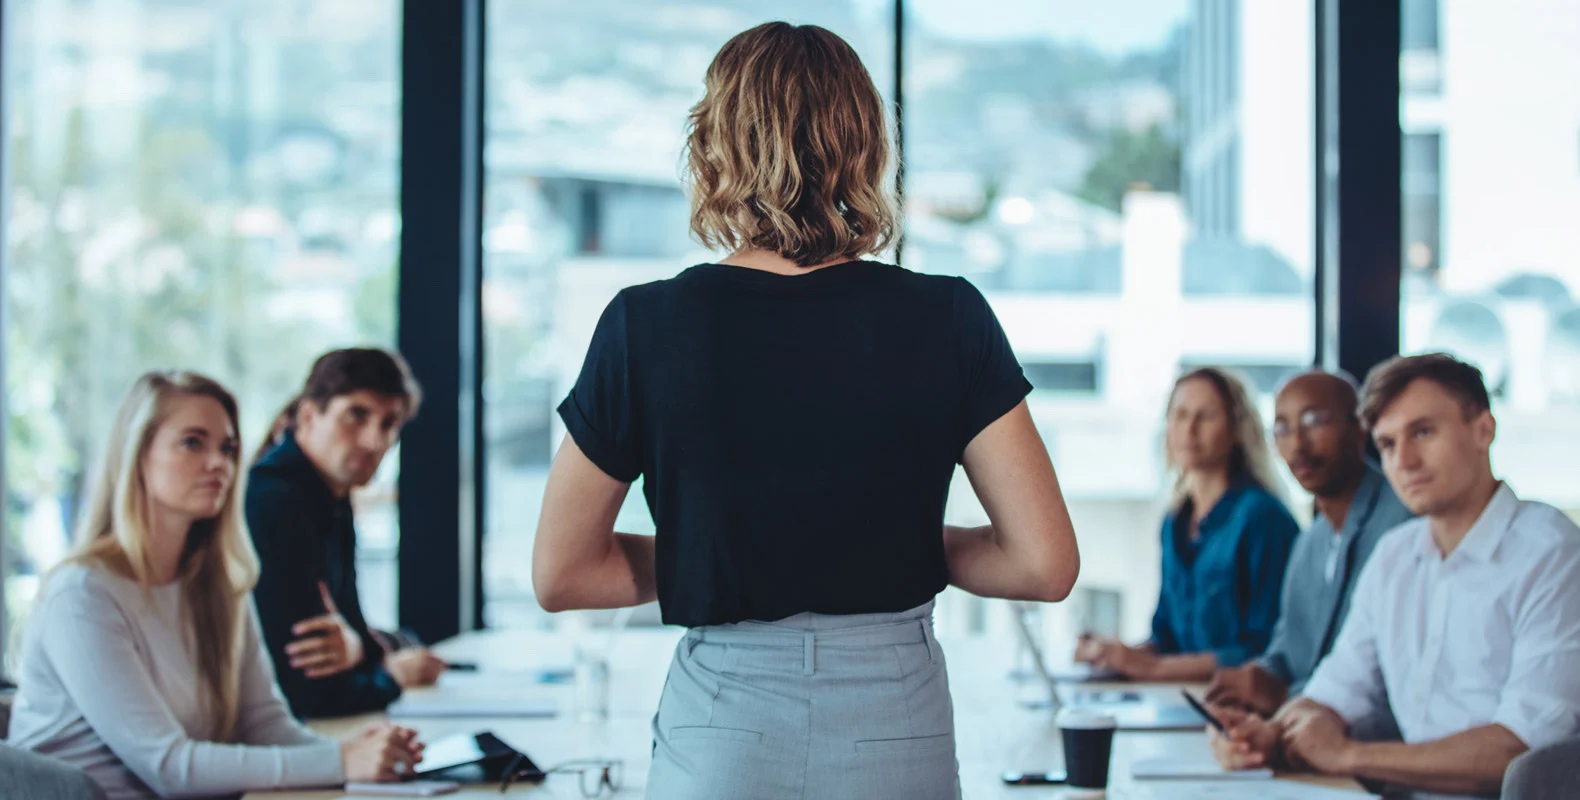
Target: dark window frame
[[1359, 205], [439, 321]]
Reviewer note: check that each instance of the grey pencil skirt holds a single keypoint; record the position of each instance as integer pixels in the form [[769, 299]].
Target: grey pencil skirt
[[810, 706]]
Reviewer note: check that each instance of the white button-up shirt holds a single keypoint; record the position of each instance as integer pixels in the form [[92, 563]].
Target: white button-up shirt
[[1488, 635]]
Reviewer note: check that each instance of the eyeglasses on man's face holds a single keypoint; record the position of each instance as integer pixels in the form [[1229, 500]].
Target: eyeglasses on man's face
[[1309, 420]]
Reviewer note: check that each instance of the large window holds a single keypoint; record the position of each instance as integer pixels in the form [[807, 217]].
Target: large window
[[1502, 287], [204, 185], [1131, 186], [587, 106], [212, 185], [1112, 179]]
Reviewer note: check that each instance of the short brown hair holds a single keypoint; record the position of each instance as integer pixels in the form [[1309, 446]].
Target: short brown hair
[[342, 372], [1388, 380], [788, 151]]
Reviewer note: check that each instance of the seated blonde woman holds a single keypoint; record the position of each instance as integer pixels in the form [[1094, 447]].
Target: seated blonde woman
[[141, 662]]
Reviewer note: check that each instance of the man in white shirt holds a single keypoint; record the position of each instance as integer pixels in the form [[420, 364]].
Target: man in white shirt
[[1466, 621]]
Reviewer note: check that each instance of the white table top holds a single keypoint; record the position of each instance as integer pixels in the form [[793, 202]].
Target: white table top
[[994, 734]]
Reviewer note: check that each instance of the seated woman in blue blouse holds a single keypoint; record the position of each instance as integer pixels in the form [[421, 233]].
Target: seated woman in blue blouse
[[1226, 540]]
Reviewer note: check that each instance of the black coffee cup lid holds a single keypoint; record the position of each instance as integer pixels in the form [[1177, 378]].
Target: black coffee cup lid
[[1085, 719]]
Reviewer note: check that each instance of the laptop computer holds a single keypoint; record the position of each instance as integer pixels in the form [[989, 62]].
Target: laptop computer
[[1139, 715]]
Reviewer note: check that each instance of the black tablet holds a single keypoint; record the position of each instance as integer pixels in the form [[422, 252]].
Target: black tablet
[[473, 758]]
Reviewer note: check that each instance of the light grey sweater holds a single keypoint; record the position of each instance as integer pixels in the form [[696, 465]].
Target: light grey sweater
[[109, 684]]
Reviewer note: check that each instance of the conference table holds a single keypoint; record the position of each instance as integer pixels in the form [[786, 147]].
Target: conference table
[[995, 732]]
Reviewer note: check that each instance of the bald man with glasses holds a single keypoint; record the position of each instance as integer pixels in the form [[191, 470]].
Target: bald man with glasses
[[1318, 434]]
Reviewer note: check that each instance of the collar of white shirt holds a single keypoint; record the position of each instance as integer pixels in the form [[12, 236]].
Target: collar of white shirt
[[1482, 540]]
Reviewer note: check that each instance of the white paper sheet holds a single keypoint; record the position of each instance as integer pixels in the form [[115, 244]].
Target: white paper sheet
[[441, 704], [1192, 769], [1246, 790]]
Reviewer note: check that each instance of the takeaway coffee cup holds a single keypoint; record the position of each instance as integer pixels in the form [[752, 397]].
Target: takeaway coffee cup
[[1088, 745]]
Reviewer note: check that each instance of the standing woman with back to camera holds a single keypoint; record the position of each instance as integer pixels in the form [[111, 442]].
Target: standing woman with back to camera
[[798, 413]]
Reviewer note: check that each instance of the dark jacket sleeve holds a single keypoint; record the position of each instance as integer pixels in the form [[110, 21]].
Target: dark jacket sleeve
[[289, 545], [349, 601]]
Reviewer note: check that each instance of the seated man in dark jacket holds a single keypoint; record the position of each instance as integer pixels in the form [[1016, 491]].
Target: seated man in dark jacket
[[327, 442]]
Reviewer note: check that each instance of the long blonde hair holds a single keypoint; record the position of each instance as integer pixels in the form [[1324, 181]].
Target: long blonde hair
[[219, 567], [1250, 456], [788, 151]]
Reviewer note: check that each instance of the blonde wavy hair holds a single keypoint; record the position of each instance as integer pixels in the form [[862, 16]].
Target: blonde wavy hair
[[788, 151], [219, 567], [1250, 456]]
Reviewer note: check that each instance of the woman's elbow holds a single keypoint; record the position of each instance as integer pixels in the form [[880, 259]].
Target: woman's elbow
[[170, 774], [552, 586], [557, 594], [552, 602], [1062, 582], [1062, 574], [1057, 577]]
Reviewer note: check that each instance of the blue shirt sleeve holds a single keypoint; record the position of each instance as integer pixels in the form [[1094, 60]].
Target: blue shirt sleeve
[[1163, 639], [1268, 538]]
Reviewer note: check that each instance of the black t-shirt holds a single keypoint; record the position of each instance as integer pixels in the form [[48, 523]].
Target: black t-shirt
[[798, 433]]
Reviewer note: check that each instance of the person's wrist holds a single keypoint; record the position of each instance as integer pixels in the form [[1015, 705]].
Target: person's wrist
[[1269, 693], [1278, 757], [1294, 712], [341, 767], [1143, 665], [1350, 757]]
